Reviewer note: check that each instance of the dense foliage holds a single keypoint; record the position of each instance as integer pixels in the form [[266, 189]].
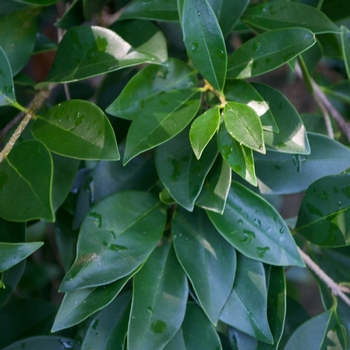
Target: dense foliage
[[174, 237]]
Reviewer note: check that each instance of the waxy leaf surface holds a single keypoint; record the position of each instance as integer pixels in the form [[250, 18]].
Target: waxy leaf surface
[[7, 90]]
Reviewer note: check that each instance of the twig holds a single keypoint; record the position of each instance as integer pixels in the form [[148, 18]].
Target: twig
[[336, 289], [327, 119]]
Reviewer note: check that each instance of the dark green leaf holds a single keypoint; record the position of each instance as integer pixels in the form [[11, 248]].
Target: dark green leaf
[[77, 129], [150, 83], [239, 157], [345, 41], [74, 16], [195, 333], [159, 300], [203, 129], [7, 90], [256, 229], [285, 173], [285, 14], [26, 182], [204, 41], [10, 279], [336, 9], [160, 10], [38, 2], [241, 91], [244, 125], [112, 246], [179, 170], [208, 260], [43, 44], [216, 186], [12, 253], [44, 342], [268, 51], [247, 304], [292, 137], [324, 214], [331, 46]]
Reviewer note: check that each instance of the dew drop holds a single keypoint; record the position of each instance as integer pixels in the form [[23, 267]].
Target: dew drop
[[261, 251], [240, 222], [256, 46], [194, 47], [158, 327], [198, 13], [96, 219], [282, 229]]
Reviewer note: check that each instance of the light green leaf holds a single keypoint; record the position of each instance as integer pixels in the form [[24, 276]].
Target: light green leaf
[[345, 41], [159, 300], [7, 89], [204, 41], [247, 303], [255, 228], [238, 157], [244, 125], [77, 129], [26, 183], [285, 14], [12, 253], [241, 91], [203, 129], [292, 137], [149, 83], [115, 239], [161, 119], [44, 342], [179, 170], [208, 260]]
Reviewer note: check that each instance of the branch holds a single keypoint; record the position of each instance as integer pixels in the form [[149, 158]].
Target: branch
[[336, 289]]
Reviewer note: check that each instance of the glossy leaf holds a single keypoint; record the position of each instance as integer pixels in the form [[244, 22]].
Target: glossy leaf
[[238, 90], [159, 300], [284, 14], [13, 253], [208, 260], [179, 170], [292, 137], [25, 183], [44, 342], [107, 330], [256, 229], [149, 83], [216, 187], [203, 129], [324, 214], [77, 129], [267, 51], [204, 41], [115, 239], [244, 125], [18, 37], [247, 303], [195, 333], [280, 173], [238, 157], [160, 120], [345, 40], [7, 90], [92, 51], [160, 10]]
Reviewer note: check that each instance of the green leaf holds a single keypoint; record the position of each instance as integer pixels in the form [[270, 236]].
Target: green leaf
[[241, 91], [284, 14], [44, 342], [216, 187], [267, 51], [203, 129], [254, 227], [208, 260], [319, 332], [18, 37], [89, 51], [77, 129], [150, 83], [244, 125], [13, 253], [179, 170], [280, 173], [112, 246], [204, 41], [26, 183], [345, 41], [247, 304], [195, 333], [238, 157], [74, 16], [336, 9], [159, 300], [107, 330], [324, 213], [239, 340], [160, 10], [292, 137], [38, 2], [7, 89]]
